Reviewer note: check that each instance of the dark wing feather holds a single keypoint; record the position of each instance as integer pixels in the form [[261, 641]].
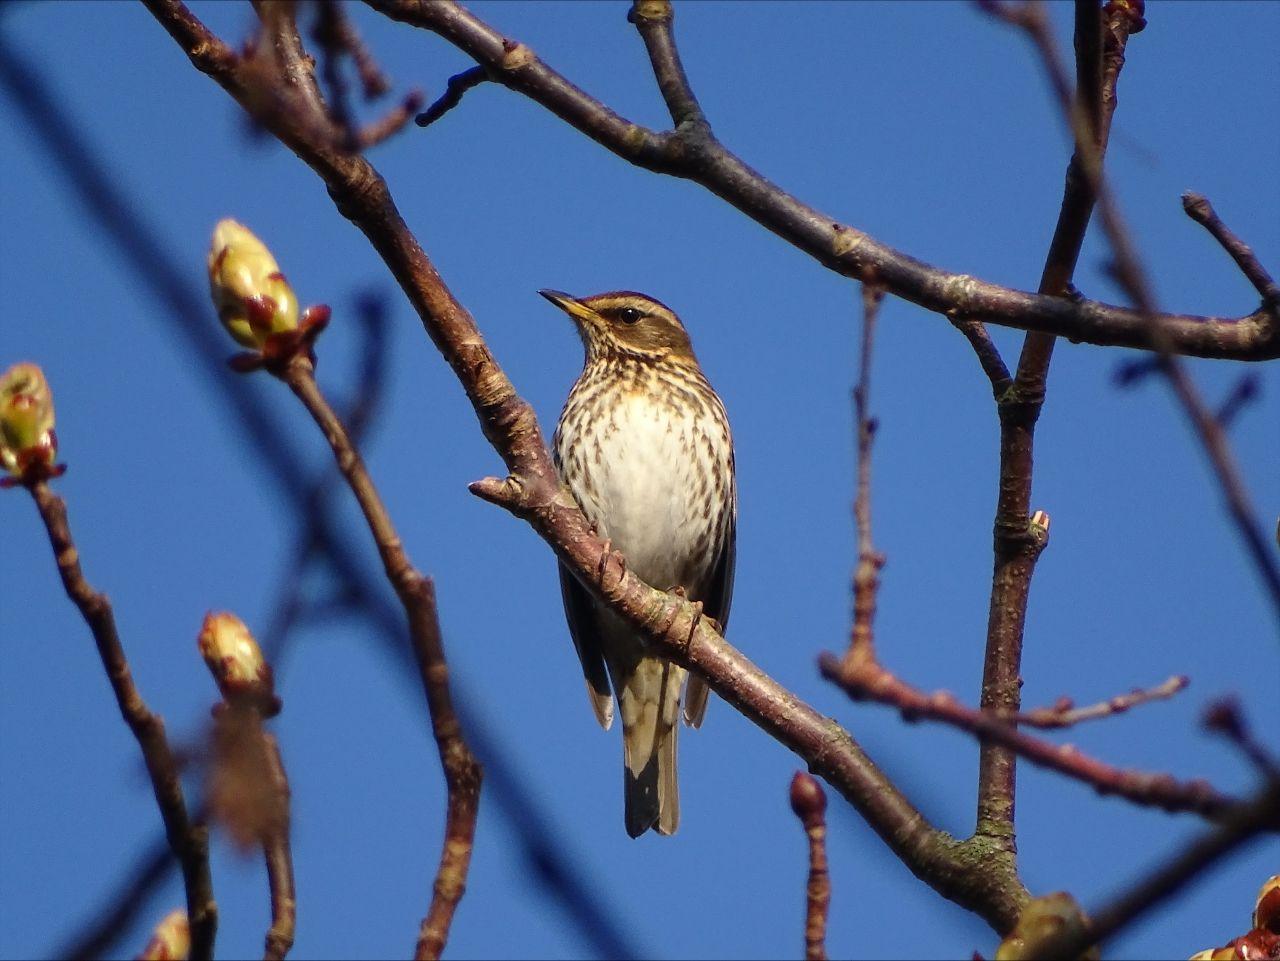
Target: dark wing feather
[[583, 628], [715, 604]]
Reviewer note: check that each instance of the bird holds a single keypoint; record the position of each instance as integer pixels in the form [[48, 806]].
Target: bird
[[643, 444]]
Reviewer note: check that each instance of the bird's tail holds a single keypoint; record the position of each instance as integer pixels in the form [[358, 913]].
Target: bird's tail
[[649, 701]]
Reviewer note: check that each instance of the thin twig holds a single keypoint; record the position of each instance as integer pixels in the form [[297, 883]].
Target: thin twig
[[654, 19], [461, 769], [329, 36], [458, 85], [279, 859], [391, 123], [1201, 211], [866, 577], [188, 841], [993, 365], [1224, 717], [1065, 714], [872, 682], [809, 802]]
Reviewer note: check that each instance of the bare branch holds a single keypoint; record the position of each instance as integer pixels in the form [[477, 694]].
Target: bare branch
[[1201, 211], [1018, 543], [461, 769], [872, 682], [458, 85], [1224, 717], [279, 860], [809, 802], [866, 577], [975, 331], [690, 152], [188, 841], [1065, 714], [653, 18]]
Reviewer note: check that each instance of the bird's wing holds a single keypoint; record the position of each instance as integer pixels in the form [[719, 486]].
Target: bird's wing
[[584, 629], [715, 604]]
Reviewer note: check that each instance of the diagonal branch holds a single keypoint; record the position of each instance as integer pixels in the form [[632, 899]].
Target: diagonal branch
[[1247, 821], [1201, 211], [533, 492], [692, 152], [188, 841]]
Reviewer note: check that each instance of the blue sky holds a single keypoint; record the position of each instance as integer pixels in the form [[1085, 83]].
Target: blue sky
[[928, 125]]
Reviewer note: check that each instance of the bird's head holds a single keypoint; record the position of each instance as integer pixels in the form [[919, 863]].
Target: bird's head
[[624, 323]]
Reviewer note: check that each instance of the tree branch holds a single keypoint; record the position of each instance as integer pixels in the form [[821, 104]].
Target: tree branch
[[417, 594], [692, 153], [872, 682], [1017, 543], [1066, 714], [866, 576], [533, 492], [458, 85], [189, 842], [809, 803], [1201, 211]]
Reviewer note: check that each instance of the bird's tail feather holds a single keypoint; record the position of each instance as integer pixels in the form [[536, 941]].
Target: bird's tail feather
[[650, 705]]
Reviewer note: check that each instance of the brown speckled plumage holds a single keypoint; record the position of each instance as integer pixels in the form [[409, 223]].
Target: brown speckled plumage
[[644, 445]]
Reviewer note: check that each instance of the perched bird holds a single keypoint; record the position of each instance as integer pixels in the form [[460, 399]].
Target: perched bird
[[643, 443]]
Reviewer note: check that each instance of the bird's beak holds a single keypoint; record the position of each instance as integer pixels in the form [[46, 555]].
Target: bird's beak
[[571, 307]]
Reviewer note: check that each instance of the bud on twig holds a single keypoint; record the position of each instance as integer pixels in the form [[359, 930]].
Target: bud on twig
[[171, 940], [254, 301], [808, 800], [28, 445], [252, 297], [236, 662]]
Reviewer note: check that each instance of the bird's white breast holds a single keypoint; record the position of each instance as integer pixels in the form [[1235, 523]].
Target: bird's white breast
[[643, 471]]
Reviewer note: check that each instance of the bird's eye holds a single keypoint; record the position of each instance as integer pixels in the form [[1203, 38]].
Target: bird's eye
[[629, 315]]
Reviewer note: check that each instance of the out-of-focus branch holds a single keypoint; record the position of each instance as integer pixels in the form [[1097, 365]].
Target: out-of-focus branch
[[874, 683], [693, 153], [1244, 823], [866, 576], [461, 769], [1224, 717], [533, 492], [809, 802], [188, 841]]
